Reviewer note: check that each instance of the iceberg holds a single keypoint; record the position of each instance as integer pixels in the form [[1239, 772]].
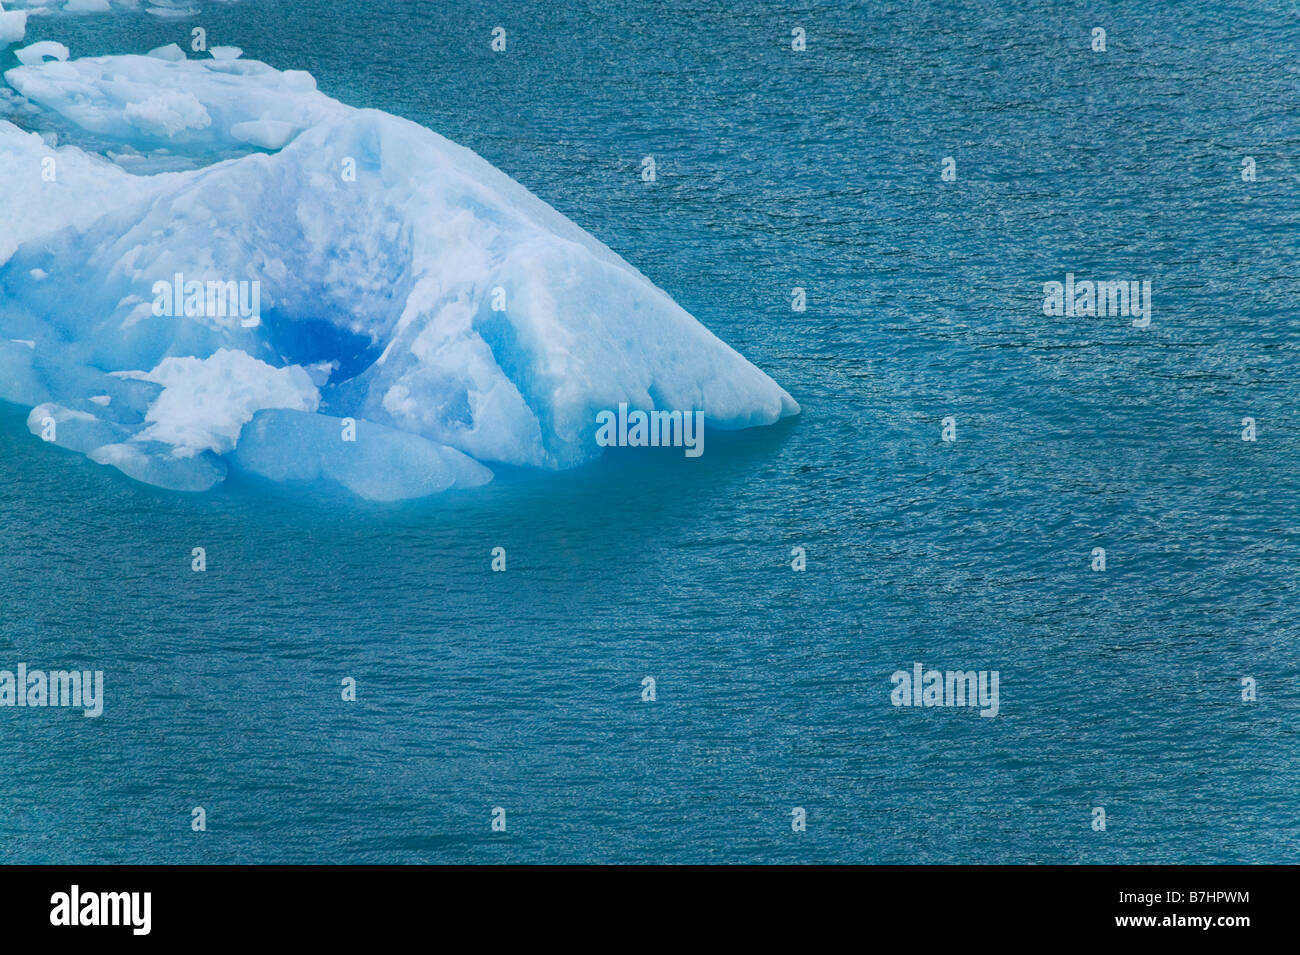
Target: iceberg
[[13, 26], [37, 52], [416, 315]]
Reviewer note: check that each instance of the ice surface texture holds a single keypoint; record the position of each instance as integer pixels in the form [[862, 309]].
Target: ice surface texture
[[387, 275]]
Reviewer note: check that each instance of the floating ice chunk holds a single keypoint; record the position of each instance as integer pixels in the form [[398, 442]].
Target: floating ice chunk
[[226, 52], [377, 463], [40, 52], [13, 26], [155, 464], [87, 6], [205, 402], [172, 12], [404, 282], [75, 430], [170, 52]]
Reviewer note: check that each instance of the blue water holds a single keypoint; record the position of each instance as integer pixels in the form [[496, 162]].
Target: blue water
[[776, 169]]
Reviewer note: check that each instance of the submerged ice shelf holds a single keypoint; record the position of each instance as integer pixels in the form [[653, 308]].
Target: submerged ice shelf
[[326, 294]]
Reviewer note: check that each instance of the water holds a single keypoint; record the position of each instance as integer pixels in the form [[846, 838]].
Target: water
[[776, 169]]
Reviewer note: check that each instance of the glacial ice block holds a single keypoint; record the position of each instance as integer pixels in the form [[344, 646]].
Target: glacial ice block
[[372, 461], [148, 100], [39, 52], [13, 26], [396, 279]]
